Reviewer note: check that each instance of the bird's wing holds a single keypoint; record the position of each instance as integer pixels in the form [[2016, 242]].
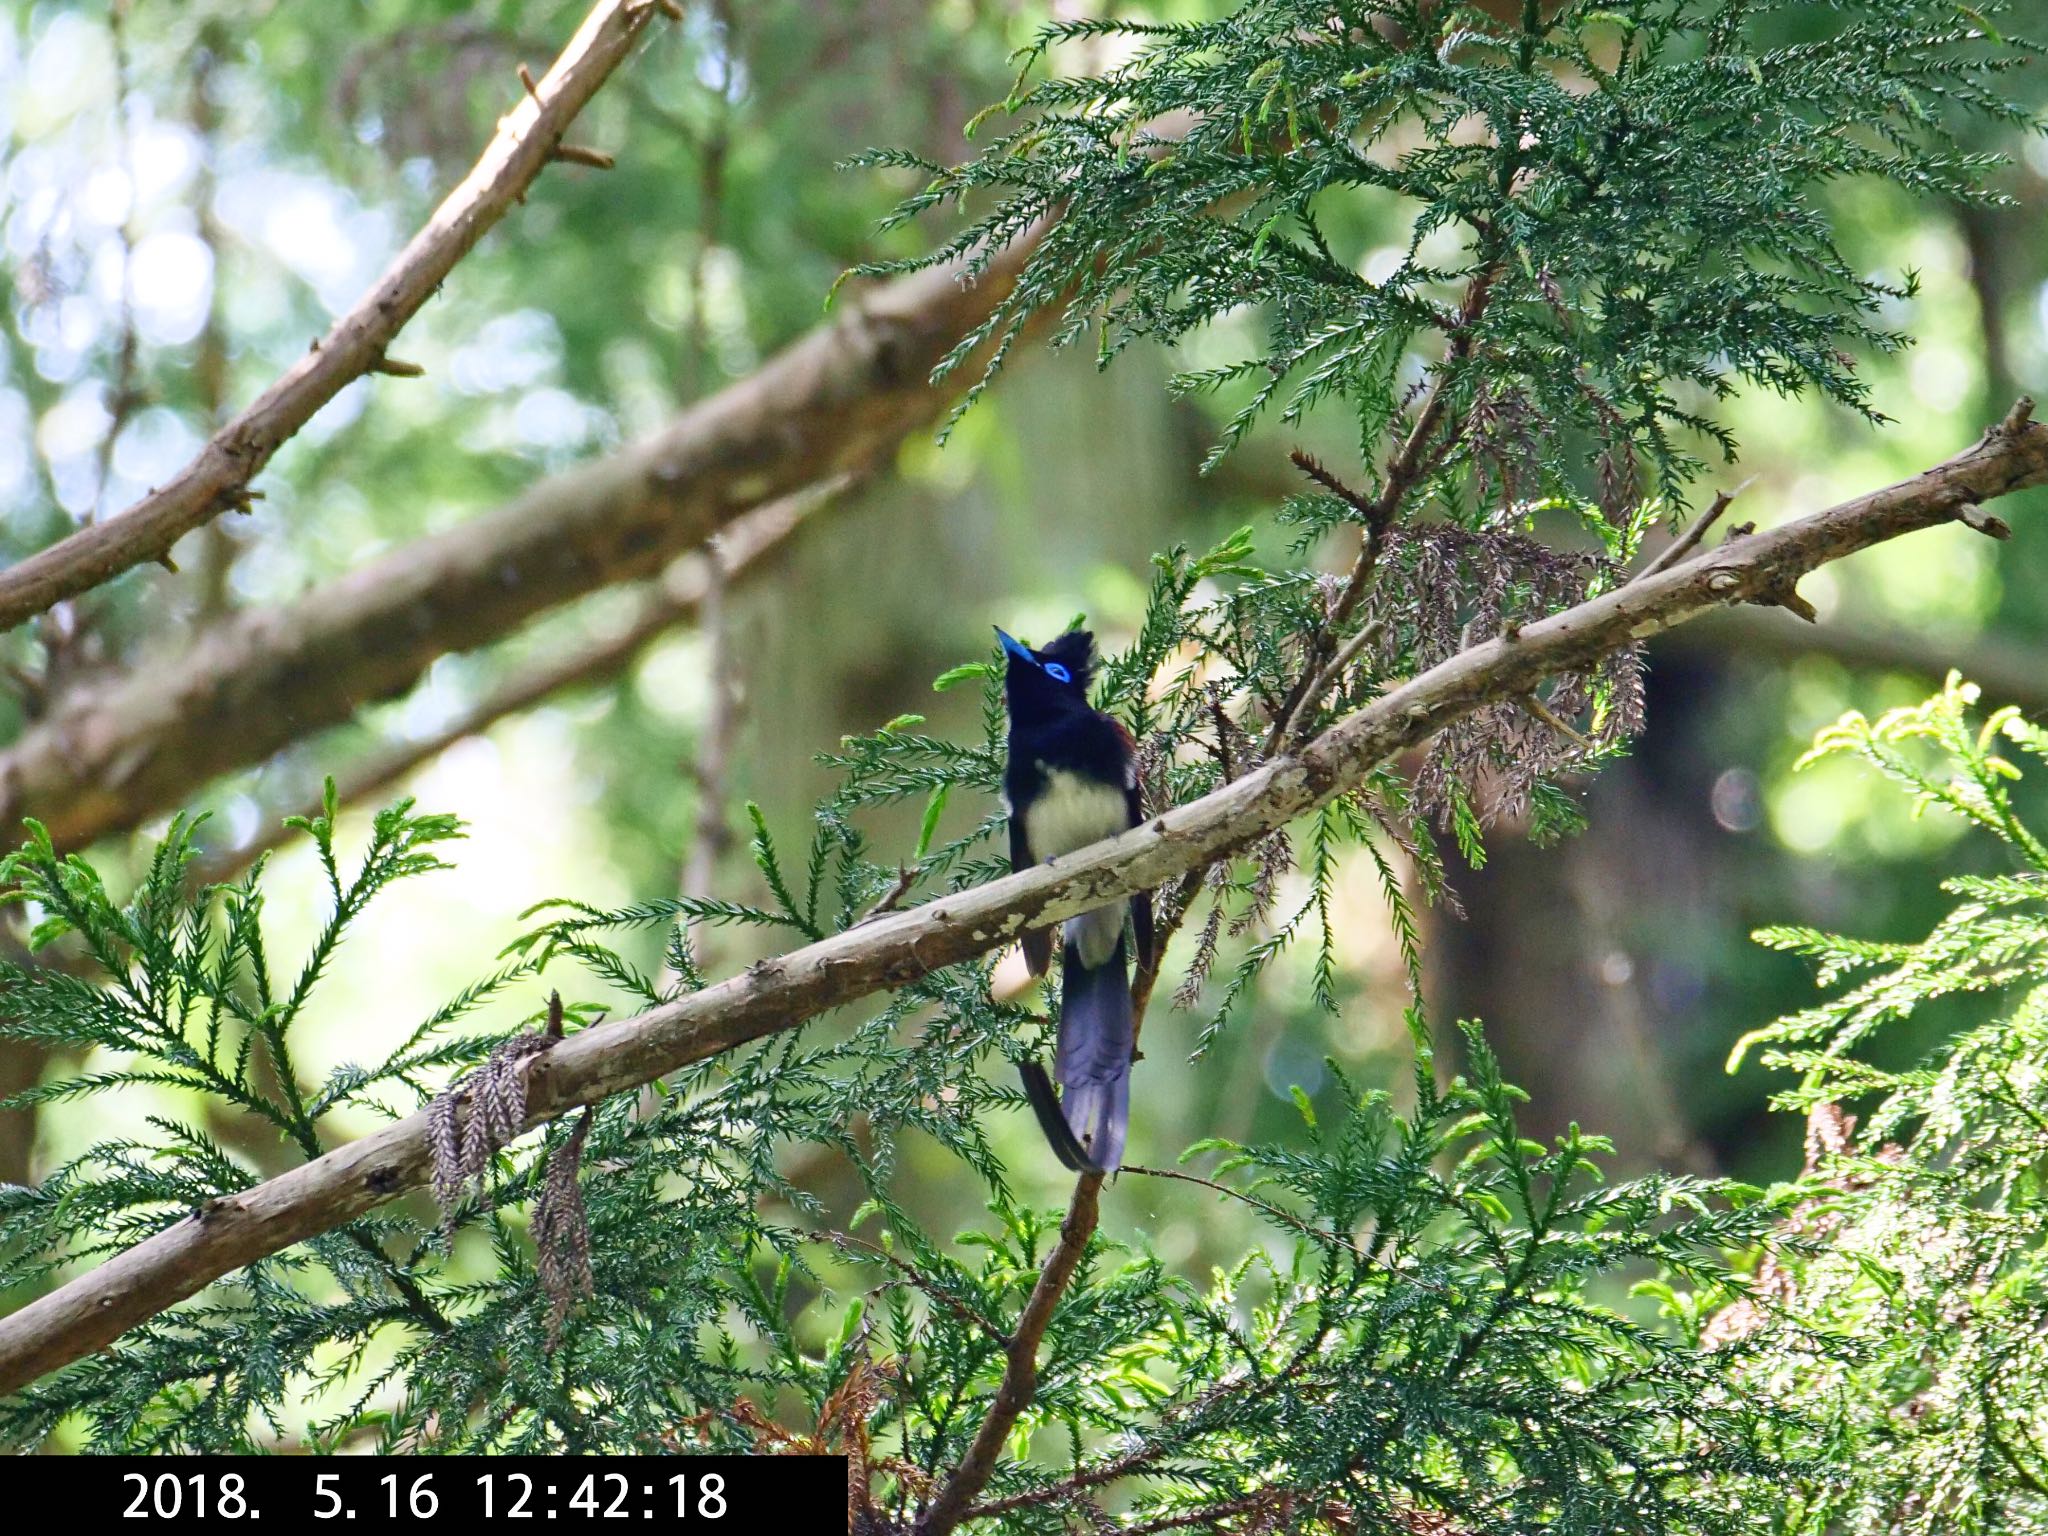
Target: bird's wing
[[1134, 805], [1037, 941], [1141, 925]]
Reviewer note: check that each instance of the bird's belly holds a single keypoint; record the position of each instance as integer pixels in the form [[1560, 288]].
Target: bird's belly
[[1072, 812]]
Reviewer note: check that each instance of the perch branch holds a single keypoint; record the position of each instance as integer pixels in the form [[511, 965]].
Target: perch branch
[[218, 478], [670, 603], [1536, 709], [91, 1311]]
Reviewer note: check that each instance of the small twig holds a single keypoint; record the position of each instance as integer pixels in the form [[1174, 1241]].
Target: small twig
[[1311, 696], [1785, 594], [1971, 515], [417, 1302], [396, 368], [1311, 466], [1681, 546], [845, 1241], [906, 877], [577, 154], [526, 79], [1532, 705], [1286, 1218]]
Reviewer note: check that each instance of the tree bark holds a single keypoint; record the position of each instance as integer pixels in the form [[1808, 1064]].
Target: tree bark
[[93, 1310], [835, 403], [673, 601]]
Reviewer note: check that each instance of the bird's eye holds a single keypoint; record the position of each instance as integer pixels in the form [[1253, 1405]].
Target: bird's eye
[[1058, 673]]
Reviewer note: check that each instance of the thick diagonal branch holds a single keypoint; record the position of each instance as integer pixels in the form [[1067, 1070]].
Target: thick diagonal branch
[[779, 994], [218, 480], [836, 403], [670, 603]]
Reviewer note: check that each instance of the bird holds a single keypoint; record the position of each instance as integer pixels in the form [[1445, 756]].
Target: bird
[[1072, 779]]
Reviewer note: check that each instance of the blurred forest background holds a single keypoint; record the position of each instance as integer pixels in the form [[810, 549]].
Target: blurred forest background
[[192, 191]]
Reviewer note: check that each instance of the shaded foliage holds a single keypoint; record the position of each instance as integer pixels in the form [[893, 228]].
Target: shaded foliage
[[1419, 1335], [1935, 1262]]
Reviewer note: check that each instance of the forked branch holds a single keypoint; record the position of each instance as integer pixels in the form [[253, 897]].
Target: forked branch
[[217, 480]]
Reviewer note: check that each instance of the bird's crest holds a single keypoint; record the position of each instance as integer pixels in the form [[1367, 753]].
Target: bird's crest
[[1075, 650]]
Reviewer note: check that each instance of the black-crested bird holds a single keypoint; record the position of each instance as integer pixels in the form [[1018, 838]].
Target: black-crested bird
[[1072, 780]]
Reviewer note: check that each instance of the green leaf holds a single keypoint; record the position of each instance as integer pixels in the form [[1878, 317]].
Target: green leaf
[[934, 807], [1302, 1105]]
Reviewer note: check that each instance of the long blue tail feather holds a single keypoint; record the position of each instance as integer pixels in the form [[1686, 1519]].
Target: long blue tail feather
[[1045, 1104], [1093, 1064]]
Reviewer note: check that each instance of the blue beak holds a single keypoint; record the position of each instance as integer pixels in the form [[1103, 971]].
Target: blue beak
[[1016, 647]]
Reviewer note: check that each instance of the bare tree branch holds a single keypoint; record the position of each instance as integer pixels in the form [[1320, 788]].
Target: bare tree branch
[[835, 403], [217, 480], [779, 994], [2008, 672]]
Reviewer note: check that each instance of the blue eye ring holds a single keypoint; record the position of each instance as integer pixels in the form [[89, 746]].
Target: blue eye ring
[[1058, 673]]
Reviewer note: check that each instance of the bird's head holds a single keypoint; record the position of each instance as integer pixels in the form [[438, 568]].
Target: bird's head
[[1051, 677]]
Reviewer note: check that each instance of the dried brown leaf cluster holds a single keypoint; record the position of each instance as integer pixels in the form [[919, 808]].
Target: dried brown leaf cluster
[[561, 1230], [472, 1119], [1446, 589]]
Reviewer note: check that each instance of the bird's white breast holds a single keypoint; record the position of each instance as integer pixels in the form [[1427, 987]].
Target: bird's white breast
[[1070, 813], [1073, 812]]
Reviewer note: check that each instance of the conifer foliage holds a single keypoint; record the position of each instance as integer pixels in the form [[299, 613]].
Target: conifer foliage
[[1612, 209], [1614, 220], [1926, 1225]]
